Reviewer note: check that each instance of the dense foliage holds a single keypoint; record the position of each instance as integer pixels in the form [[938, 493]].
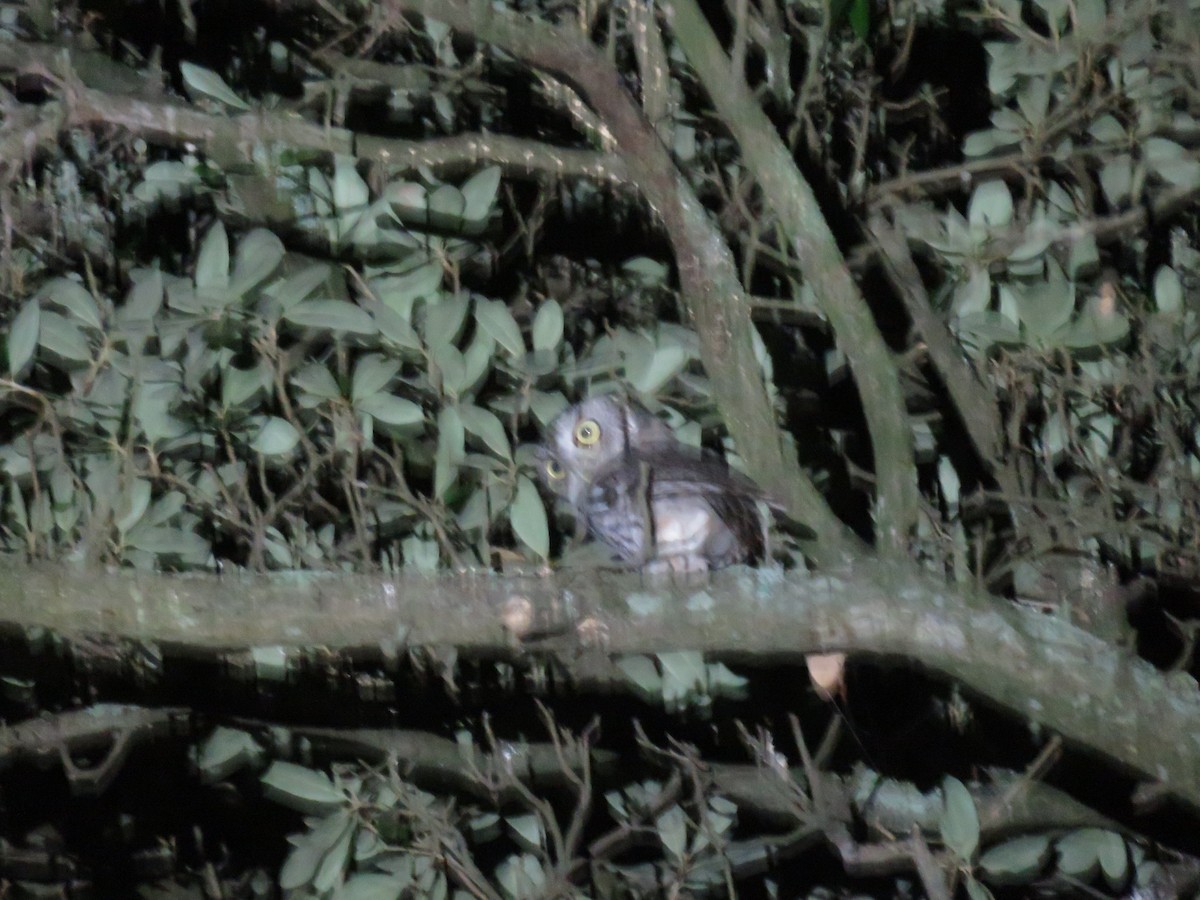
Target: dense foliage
[[296, 287]]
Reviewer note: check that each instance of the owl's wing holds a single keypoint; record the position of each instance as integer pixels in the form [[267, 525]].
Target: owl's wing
[[674, 476], [680, 470]]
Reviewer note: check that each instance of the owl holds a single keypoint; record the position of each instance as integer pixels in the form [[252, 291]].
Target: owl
[[652, 499]]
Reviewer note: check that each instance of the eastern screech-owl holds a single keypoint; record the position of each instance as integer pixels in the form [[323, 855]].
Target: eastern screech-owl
[[651, 498]]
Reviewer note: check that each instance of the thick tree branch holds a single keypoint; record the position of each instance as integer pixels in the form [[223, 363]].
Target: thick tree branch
[[792, 201], [230, 140], [975, 405], [894, 807], [1041, 668]]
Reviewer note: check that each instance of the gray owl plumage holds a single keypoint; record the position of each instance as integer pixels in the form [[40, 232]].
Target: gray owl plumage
[[648, 496]]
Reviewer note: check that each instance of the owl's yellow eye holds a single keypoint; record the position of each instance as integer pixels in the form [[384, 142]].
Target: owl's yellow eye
[[587, 432], [554, 470]]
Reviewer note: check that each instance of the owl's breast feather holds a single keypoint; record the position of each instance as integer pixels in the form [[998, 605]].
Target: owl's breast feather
[[681, 528]]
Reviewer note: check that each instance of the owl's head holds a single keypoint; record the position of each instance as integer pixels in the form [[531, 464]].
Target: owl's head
[[585, 438]]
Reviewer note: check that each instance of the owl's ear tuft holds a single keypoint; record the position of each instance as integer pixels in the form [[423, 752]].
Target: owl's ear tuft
[[641, 425]]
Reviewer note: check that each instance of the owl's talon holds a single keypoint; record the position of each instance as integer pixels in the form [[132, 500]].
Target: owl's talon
[[686, 570]]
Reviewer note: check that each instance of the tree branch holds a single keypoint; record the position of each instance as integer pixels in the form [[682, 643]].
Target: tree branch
[[1041, 668], [792, 201], [975, 405]]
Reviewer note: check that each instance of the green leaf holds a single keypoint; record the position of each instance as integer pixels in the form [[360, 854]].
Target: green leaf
[[1168, 291], [372, 373], [391, 410], [300, 866], [528, 518], [983, 143], [1018, 861], [394, 329], [684, 144], [1114, 858], [450, 452], [645, 271], [649, 373], [521, 877], [312, 846], [317, 380], [973, 295], [723, 682], [1158, 150], [643, 674], [976, 890], [991, 205], [444, 320], [479, 195], [74, 298], [985, 329], [487, 427], [212, 266], [270, 662], [63, 338], [350, 192], [448, 362], [372, 886], [22, 337], [484, 827], [420, 555], [144, 299], [132, 505], [409, 200], [276, 438], [526, 830], [1044, 306], [860, 18], [684, 678], [1084, 256], [1080, 853], [152, 411], [1099, 325], [446, 206], [548, 326], [399, 292], [1180, 173], [1116, 179], [960, 821], [1034, 100], [209, 84], [305, 790], [476, 361], [298, 285], [258, 256], [171, 542], [333, 315], [672, 832], [546, 406], [949, 482], [166, 179], [1107, 130], [1091, 20], [494, 317], [224, 752], [239, 385], [333, 865], [368, 845]]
